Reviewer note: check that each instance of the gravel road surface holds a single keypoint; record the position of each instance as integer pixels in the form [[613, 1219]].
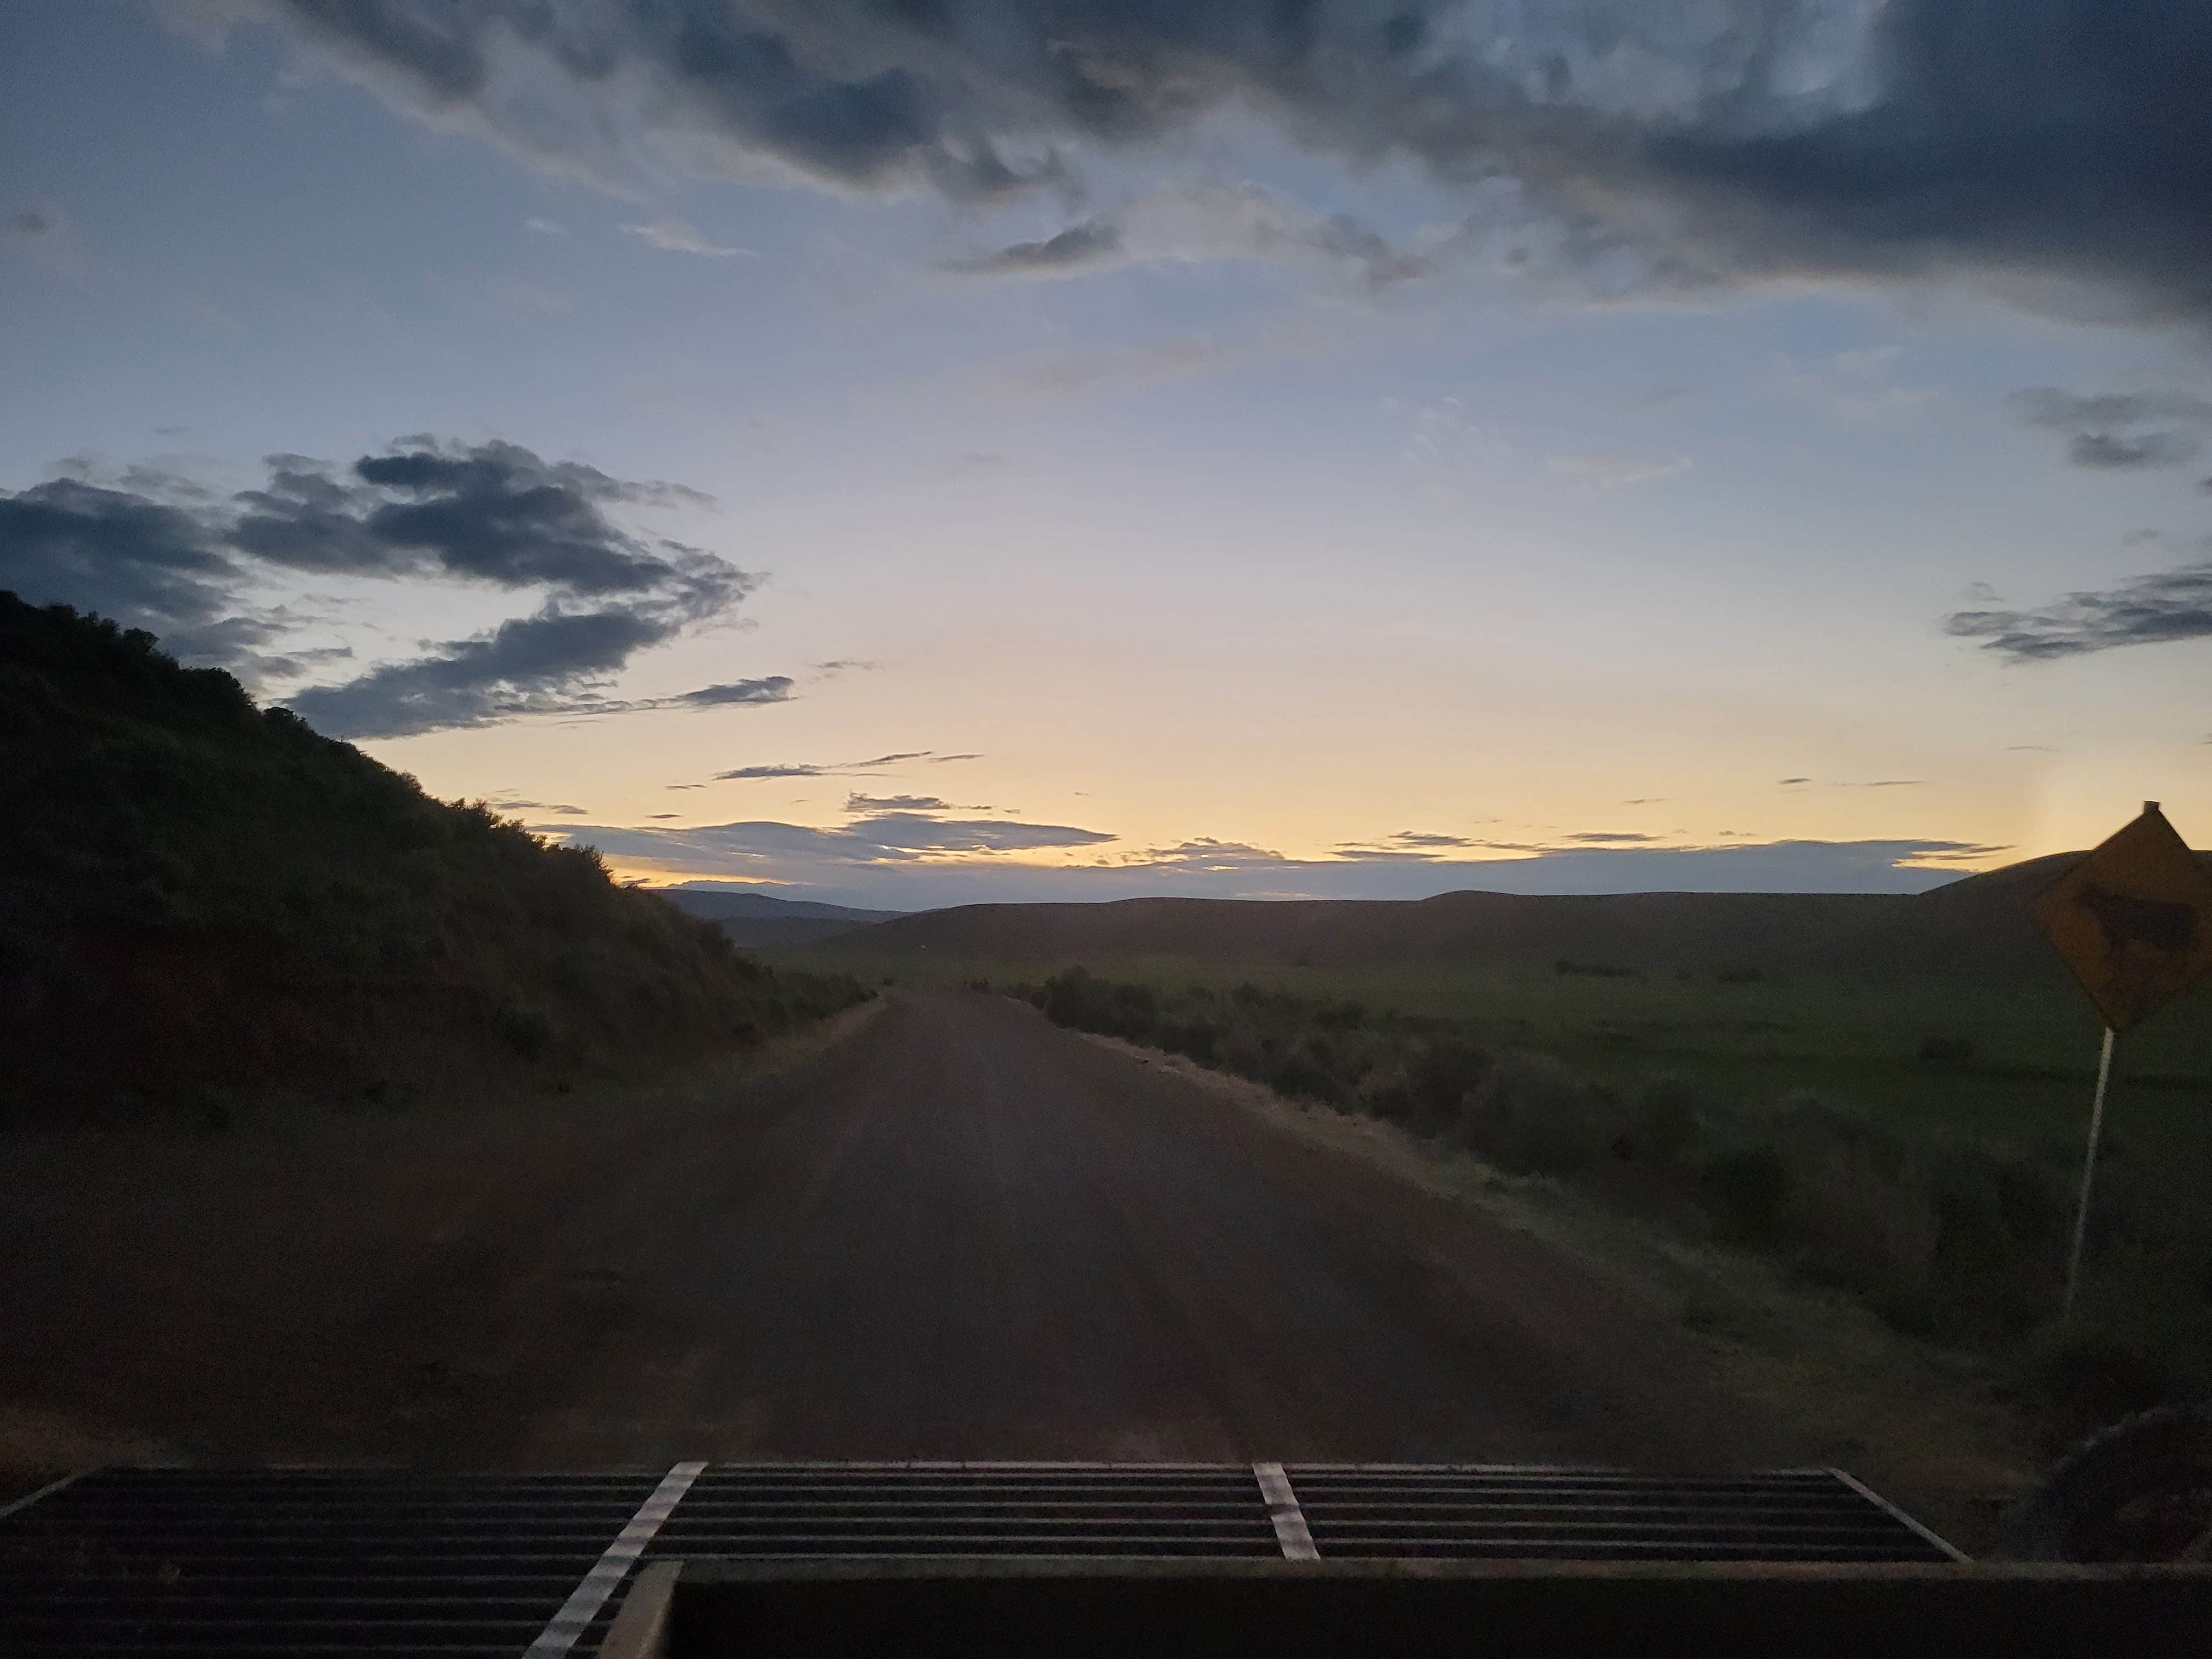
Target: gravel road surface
[[959, 1233]]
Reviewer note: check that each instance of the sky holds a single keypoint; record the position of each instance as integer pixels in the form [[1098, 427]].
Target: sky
[[907, 452]]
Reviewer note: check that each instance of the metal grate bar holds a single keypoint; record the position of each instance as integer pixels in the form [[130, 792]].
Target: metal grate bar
[[173, 1562]]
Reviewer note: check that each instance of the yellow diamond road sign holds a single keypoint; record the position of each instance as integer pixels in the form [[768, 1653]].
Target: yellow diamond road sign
[[2133, 919]]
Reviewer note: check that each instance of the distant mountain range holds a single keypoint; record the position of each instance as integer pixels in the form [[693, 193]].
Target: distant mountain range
[[754, 918], [1977, 925]]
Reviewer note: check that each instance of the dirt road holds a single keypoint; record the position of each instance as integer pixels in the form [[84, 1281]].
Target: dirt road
[[960, 1233]]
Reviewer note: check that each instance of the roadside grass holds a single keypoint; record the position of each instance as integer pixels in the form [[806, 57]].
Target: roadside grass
[[2023, 1077], [1929, 1426]]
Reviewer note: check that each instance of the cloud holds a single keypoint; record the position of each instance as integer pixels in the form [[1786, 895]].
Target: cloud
[[1610, 836], [681, 236], [1786, 781], [541, 665], [151, 563], [157, 551], [491, 512], [1405, 844], [1191, 224], [545, 227], [915, 832], [1685, 142], [1088, 246], [832, 768], [2122, 431], [1614, 471], [2105, 452], [857, 802], [776, 688], [44, 236], [2153, 610], [2068, 411]]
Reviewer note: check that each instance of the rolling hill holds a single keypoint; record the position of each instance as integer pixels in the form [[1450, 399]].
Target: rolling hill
[[202, 899], [750, 918], [1975, 926]]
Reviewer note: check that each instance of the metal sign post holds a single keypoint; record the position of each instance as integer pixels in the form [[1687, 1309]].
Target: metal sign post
[[2133, 920], [2089, 1175]]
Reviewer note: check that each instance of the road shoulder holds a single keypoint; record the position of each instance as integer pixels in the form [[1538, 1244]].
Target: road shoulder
[[1925, 1426]]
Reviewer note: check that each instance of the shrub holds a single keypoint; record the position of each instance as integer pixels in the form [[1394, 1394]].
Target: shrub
[[1668, 1117], [1440, 1075], [1857, 1213], [1301, 1076], [1533, 1117], [1952, 1051], [1746, 1187]]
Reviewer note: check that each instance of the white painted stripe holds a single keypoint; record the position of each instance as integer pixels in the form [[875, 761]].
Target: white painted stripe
[[1896, 1514], [1283, 1510], [584, 1602]]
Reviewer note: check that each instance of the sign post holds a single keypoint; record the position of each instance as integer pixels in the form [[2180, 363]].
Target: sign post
[[2089, 1173], [2133, 920]]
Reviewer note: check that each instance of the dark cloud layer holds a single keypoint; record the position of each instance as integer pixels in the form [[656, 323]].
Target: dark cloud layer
[[2153, 610], [122, 553], [159, 553], [491, 512], [1710, 140], [531, 666]]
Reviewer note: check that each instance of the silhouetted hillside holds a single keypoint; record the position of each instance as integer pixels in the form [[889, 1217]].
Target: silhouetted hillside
[[197, 895], [758, 919], [1977, 925]]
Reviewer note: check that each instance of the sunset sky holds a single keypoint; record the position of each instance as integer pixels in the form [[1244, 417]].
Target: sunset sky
[[920, 453]]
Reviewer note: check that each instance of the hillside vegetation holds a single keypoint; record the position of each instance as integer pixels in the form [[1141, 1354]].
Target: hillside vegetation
[[204, 901]]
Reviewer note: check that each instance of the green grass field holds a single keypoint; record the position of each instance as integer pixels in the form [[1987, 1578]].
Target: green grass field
[[2028, 1081]]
